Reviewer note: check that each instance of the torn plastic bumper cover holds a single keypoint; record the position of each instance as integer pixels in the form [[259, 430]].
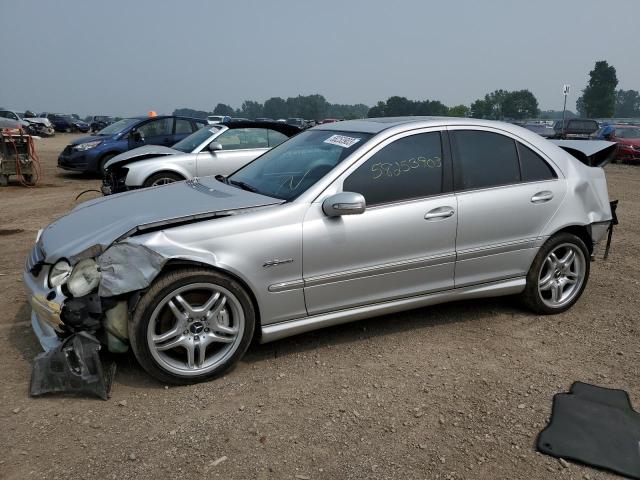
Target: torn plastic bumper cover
[[73, 367]]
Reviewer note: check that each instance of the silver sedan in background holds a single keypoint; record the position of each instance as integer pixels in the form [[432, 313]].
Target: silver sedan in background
[[342, 222], [213, 150]]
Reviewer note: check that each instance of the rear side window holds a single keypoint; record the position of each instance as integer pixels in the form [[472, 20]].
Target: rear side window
[[410, 167], [484, 159], [533, 166]]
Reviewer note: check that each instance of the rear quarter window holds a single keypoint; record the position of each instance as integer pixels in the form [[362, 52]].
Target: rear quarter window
[[533, 167]]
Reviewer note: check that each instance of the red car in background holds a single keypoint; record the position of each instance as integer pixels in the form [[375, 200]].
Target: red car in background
[[628, 139]]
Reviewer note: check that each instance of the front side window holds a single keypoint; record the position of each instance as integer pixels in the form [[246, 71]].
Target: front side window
[[484, 159], [410, 167], [157, 128], [292, 167], [183, 126], [243, 138], [193, 141], [275, 138]]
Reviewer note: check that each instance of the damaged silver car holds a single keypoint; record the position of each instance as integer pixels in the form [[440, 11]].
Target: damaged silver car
[[342, 222]]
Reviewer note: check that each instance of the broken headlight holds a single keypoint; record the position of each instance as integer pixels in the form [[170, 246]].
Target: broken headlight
[[84, 277], [59, 273]]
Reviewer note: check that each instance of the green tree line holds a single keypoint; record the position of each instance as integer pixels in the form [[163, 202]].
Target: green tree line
[[599, 99]]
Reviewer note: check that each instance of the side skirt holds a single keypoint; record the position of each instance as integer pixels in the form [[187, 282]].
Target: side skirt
[[280, 330]]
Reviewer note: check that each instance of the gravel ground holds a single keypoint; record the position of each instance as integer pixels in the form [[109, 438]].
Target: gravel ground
[[448, 392]]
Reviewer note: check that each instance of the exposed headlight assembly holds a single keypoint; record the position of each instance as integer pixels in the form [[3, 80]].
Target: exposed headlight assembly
[[87, 146], [84, 277], [59, 273]]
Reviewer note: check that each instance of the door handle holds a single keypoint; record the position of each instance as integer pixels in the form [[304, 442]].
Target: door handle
[[440, 212], [542, 197]]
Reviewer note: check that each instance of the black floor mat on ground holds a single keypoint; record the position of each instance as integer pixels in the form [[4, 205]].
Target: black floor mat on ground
[[595, 426]]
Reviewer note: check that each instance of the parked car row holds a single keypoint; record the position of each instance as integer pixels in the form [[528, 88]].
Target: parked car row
[[90, 154], [212, 150], [40, 126]]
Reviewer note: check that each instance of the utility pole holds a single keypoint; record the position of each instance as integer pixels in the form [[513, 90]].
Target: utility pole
[[565, 92]]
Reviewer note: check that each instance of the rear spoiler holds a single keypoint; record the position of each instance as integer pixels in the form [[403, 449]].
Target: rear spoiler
[[594, 153]]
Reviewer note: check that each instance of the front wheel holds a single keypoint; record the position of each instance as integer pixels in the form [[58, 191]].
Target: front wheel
[[161, 178], [191, 325], [558, 275]]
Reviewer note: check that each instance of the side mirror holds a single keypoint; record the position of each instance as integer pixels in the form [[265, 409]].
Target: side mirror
[[345, 203], [215, 146], [137, 136]]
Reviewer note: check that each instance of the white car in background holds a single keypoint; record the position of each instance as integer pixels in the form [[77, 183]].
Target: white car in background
[[213, 150], [215, 119]]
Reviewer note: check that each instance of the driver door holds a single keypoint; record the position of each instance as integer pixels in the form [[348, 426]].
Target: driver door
[[239, 147], [402, 245], [154, 132]]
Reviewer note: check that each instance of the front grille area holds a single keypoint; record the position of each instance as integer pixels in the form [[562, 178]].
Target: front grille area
[[35, 257]]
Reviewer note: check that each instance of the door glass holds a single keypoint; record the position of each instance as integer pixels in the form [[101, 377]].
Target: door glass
[[534, 168], [484, 159], [410, 167], [243, 138], [275, 138], [183, 126], [157, 128]]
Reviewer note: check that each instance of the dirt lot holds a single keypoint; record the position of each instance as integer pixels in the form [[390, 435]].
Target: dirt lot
[[454, 391]]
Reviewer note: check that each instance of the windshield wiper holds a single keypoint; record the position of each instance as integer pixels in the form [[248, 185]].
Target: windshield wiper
[[244, 186]]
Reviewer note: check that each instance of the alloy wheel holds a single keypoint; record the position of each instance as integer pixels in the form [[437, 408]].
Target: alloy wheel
[[561, 275], [195, 328]]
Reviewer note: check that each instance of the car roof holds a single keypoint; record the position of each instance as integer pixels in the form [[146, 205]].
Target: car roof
[[284, 128], [377, 125]]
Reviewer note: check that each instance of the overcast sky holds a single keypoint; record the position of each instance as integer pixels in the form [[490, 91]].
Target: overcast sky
[[122, 57]]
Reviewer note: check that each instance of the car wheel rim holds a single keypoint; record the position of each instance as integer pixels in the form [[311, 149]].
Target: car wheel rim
[[195, 329], [162, 181], [561, 275]]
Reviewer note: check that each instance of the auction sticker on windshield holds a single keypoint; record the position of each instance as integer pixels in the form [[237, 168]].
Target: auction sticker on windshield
[[342, 141]]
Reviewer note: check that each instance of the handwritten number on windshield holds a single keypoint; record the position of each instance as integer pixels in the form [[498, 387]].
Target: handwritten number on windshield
[[386, 169]]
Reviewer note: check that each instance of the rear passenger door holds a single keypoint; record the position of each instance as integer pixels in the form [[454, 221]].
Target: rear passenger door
[[507, 192]]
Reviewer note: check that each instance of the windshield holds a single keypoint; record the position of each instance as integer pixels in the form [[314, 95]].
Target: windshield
[[292, 167], [628, 132], [193, 141], [118, 126]]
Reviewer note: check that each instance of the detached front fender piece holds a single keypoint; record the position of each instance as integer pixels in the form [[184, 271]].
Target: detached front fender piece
[[126, 267]]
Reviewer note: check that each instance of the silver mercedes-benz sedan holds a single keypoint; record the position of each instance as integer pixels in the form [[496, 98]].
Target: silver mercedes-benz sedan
[[342, 222], [213, 150]]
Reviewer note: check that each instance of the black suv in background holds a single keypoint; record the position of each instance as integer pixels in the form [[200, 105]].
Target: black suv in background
[[98, 122], [575, 129]]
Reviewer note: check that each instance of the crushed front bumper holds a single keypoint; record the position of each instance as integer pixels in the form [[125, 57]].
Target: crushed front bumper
[[46, 306]]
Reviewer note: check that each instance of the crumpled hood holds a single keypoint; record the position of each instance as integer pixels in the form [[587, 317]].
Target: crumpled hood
[[42, 120], [145, 151], [99, 222]]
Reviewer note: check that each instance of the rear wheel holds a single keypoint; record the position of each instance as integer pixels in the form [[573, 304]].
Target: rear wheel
[[558, 275], [191, 325], [161, 178]]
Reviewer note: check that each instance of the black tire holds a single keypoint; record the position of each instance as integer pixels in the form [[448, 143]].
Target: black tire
[[165, 285], [532, 296], [103, 162], [4, 180], [30, 179], [169, 177]]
